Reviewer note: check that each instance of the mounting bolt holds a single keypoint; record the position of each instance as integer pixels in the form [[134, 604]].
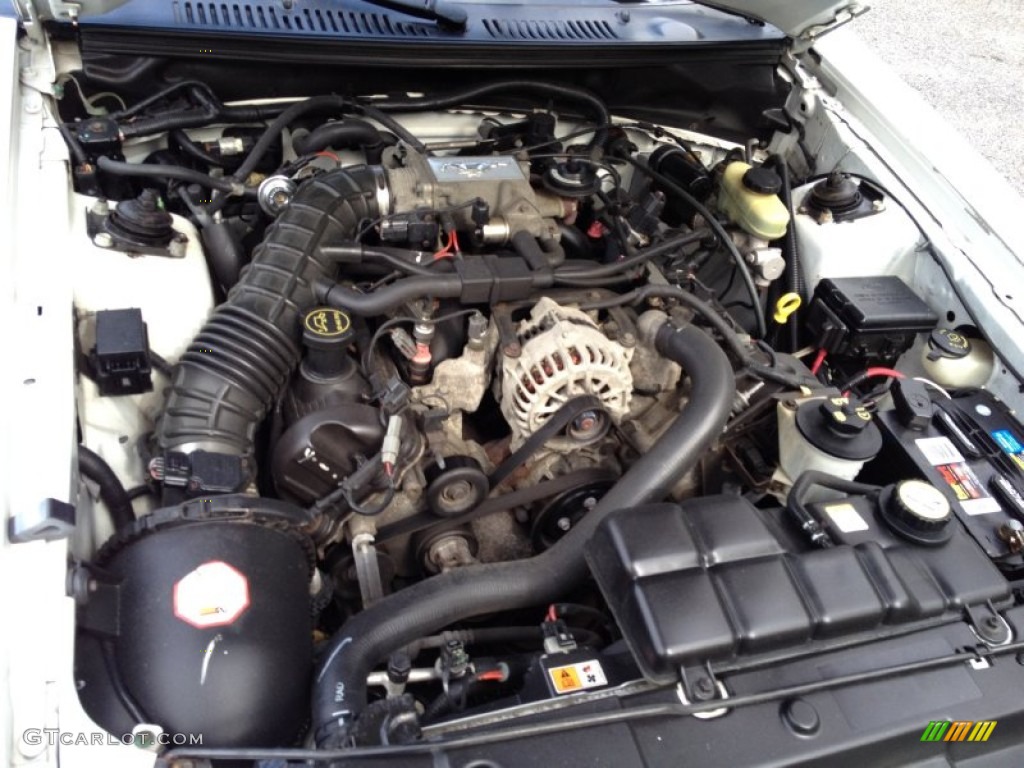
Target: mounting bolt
[[103, 240], [703, 689], [564, 523]]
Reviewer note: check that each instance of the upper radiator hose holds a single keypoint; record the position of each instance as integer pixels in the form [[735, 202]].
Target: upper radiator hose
[[235, 368]]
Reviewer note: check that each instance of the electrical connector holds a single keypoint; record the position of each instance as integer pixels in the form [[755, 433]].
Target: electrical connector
[[392, 443], [557, 637]]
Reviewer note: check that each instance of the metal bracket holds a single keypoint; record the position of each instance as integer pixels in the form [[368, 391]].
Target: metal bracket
[[842, 17], [698, 685], [49, 520], [988, 625]]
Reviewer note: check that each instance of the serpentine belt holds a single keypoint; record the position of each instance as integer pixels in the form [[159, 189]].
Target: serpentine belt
[[558, 421]]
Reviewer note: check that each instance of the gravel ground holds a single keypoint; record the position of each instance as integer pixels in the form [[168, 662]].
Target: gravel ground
[[966, 57]]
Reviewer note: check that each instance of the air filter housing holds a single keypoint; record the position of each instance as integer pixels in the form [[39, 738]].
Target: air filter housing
[[198, 620]]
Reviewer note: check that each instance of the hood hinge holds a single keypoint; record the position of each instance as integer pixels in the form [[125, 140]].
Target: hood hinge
[[32, 12], [812, 34]]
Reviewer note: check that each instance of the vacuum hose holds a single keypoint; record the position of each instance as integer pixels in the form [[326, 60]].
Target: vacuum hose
[[112, 492], [236, 367], [339, 693]]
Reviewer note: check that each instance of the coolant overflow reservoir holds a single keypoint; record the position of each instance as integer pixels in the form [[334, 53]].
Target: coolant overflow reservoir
[[952, 359], [750, 198]]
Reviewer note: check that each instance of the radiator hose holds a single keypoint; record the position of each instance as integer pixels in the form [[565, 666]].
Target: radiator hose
[[236, 367], [339, 693]]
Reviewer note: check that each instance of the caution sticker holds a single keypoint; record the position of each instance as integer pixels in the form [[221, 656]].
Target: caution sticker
[[967, 487], [577, 677], [212, 595]]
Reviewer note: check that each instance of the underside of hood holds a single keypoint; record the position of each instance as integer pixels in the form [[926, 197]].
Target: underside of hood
[[805, 20]]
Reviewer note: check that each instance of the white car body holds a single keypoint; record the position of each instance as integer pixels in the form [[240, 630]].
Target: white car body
[[848, 98]]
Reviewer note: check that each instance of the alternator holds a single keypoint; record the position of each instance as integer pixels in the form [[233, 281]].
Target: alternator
[[564, 355]]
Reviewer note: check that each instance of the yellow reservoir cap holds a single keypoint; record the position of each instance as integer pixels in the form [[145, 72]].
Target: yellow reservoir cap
[[761, 214]]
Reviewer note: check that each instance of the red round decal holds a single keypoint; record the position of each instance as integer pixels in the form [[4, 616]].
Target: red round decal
[[213, 595]]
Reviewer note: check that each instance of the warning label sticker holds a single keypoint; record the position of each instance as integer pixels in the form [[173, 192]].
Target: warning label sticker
[[971, 494], [212, 595], [577, 677], [846, 518], [938, 450]]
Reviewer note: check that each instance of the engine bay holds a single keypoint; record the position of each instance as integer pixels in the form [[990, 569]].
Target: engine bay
[[404, 418]]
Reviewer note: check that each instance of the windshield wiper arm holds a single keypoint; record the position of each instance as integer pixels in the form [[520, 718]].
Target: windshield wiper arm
[[452, 17]]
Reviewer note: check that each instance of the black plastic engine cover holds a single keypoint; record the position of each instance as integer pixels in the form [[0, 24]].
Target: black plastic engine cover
[[707, 579], [213, 634]]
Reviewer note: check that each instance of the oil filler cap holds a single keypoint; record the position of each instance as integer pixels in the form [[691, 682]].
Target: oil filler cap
[[918, 511], [326, 335]]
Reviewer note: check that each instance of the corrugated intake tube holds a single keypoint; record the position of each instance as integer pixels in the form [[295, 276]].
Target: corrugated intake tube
[[234, 370], [339, 687]]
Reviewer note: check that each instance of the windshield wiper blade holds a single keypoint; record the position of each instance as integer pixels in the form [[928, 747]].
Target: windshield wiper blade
[[448, 16]]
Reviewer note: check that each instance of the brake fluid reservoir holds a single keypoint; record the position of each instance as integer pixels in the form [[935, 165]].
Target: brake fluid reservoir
[[953, 360], [750, 198]]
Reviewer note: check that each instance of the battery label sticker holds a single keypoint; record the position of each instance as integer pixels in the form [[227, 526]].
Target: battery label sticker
[[971, 494], [1010, 445], [939, 450], [577, 677], [846, 518], [212, 595]]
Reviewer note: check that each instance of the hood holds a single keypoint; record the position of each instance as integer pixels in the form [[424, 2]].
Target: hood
[[804, 20]]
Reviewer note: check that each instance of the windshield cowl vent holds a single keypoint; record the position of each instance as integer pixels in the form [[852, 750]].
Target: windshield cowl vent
[[262, 17], [532, 29]]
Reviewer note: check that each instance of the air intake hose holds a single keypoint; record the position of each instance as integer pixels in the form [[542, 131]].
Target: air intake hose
[[339, 693], [236, 367]]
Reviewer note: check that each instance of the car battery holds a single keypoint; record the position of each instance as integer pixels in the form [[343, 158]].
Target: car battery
[[972, 449]]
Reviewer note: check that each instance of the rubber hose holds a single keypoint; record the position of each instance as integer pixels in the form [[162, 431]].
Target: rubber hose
[[794, 269], [235, 369], [723, 238], [578, 95], [74, 145], [224, 253], [339, 693], [343, 134], [164, 172], [389, 297], [575, 240], [112, 491], [193, 150]]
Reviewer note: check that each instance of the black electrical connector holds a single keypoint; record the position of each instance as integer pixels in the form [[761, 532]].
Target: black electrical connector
[[913, 404], [202, 472], [99, 136], [120, 360]]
